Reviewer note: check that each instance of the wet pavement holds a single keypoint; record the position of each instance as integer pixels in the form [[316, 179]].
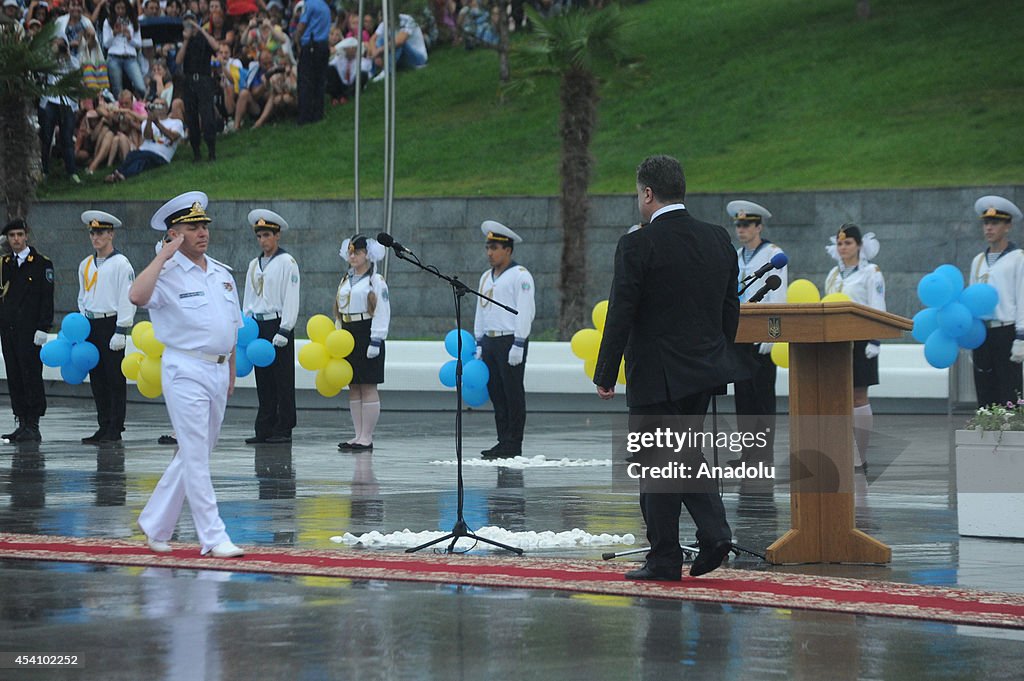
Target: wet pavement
[[134, 623]]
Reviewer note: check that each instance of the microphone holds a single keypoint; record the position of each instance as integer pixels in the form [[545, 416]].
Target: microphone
[[388, 241], [770, 284], [778, 261]]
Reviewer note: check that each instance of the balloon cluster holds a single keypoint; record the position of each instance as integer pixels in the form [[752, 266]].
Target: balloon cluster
[[252, 351], [475, 373], [325, 354], [952, 315], [75, 356], [586, 343], [144, 367], [801, 291]]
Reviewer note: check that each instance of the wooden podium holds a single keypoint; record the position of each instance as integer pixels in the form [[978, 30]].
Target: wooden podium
[[821, 423]]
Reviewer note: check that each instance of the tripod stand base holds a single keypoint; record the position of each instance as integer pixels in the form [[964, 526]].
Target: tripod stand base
[[458, 532]]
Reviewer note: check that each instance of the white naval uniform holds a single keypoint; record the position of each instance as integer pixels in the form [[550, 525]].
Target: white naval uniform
[[193, 311], [513, 287], [103, 288], [273, 288], [762, 256], [1007, 276], [865, 285], [353, 299]]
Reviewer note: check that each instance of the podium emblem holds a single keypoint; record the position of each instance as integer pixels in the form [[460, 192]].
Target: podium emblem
[[774, 328]]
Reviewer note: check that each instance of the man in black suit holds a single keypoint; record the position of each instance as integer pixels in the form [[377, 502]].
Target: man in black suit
[[673, 312]]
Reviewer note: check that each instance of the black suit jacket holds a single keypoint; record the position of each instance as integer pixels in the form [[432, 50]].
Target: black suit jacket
[[26, 292], [673, 312]]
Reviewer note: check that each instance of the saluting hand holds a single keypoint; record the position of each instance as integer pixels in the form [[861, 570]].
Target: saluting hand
[[171, 247]]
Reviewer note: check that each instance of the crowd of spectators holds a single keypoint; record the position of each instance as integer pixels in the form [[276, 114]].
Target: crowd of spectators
[[164, 70]]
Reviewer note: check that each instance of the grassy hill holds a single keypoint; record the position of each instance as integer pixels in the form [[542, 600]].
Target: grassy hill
[[750, 94]]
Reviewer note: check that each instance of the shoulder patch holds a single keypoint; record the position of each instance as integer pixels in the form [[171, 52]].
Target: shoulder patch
[[49, 274]]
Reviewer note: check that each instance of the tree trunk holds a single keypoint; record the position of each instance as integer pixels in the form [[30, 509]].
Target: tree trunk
[[579, 98], [864, 9], [503, 70], [19, 158]]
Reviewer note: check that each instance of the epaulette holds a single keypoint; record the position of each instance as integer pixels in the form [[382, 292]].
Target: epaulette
[[218, 262]]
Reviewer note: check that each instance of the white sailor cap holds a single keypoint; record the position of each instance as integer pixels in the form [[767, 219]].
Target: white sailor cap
[[996, 208], [97, 219], [182, 209], [346, 43], [747, 212], [495, 231], [261, 218]]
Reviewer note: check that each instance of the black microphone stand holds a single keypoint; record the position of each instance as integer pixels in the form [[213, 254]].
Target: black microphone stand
[[460, 529]]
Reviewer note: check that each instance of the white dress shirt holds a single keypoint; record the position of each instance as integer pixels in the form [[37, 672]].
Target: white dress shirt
[[103, 288], [513, 287], [273, 287]]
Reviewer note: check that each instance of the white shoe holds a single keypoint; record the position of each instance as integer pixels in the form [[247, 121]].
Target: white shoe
[[226, 549], [380, 76], [157, 546]]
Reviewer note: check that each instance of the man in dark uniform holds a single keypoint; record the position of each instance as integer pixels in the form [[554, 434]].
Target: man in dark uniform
[[26, 315], [197, 49], [673, 311]]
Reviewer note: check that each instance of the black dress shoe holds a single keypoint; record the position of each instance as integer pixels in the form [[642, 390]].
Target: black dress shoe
[[167, 440], [646, 573], [501, 451], [256, 440], [94, 439], [344, 446], [14, 433], [710, 557], [108, 438], [356, 447], [279, 439], [29, 434]]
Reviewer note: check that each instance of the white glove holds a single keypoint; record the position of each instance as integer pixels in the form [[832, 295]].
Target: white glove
[[279, 341], [372, 350], [40, 338], [117, 342], [1017, 351], [515, 356], [479, 352], [871, 350], [764, 348]]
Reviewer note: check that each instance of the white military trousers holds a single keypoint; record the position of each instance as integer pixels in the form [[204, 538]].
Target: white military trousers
[[196, 393]]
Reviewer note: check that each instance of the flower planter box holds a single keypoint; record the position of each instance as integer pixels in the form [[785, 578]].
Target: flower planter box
[[990, 483]]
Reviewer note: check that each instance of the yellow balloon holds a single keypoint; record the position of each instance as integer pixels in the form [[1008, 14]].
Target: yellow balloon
[[324, 386], [836, 297], [622, 373], [318, 327], [313, 356], [598, 315], [138, 330], [586, 343], [340, 343], [149, 344], [589, 367], [147, 389], [149, 371], [338, 372], [130, 365], [780, 355], [802, 291]]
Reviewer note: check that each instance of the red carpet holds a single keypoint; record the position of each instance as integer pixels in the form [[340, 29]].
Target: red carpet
[[740, 587]]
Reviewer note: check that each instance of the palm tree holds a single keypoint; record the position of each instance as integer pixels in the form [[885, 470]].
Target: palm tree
[[576, 45], [29, 69]]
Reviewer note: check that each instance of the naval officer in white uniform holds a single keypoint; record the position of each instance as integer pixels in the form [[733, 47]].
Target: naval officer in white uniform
[[193, 304], [503, 338], [272, 299]]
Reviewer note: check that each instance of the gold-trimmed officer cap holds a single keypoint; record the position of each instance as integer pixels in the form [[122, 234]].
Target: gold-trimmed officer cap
[[181, 210], [97, 219], [747, 212], [261, 218], [997, 208], [499, 233]]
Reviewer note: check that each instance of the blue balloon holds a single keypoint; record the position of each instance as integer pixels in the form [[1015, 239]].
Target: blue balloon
[[935, 290], [85, 356], [975, 337], [954, 275], [925, 322], [248, 333], [468, 344], [475, 374], [447, 374], [980, 299], [940, 350], [75, 327], [56, 353], [475, 397], [955, 319], [261, 352], [72, 375], [243, 367]]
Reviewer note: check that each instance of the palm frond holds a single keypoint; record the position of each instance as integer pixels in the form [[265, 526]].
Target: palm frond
[[27, 65]]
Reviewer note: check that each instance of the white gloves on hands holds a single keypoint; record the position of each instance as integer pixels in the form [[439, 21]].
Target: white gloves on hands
[[40, 338], [117, 342], [764, 348], [515, 355], [372, 350], [1017, 351], [279, 340], [871, 350]]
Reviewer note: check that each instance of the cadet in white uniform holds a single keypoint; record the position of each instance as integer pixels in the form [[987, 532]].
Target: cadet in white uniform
[[997, 371], [503, 338], [272, 299], [363, 307], [193, 304], [755, 397], [858, 278], [103, 282]]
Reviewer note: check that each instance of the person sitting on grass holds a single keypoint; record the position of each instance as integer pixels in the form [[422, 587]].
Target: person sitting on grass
[[160, 137]]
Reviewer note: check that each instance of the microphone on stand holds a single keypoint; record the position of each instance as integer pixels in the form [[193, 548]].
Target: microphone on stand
[[770, 284], [388, 241], [778, 261]]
